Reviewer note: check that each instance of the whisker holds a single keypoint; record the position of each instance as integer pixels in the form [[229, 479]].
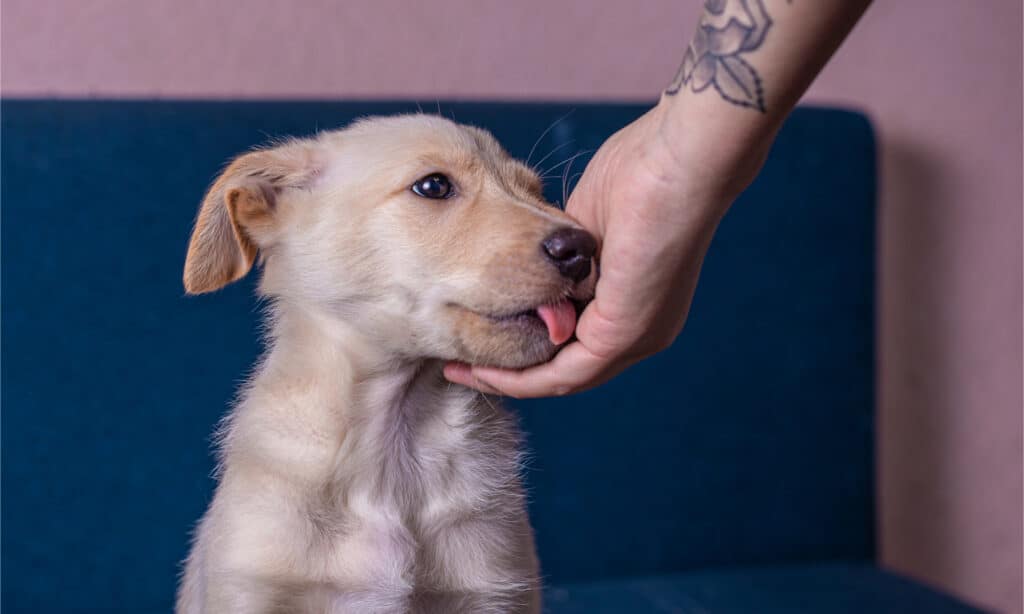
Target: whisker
[[565, 177], [543, 134], [488, 401], [567, 160], [551, 153], [569, 186], [574, 179]]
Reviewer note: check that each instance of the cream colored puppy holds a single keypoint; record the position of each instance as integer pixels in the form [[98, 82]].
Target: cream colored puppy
[[353, 477]]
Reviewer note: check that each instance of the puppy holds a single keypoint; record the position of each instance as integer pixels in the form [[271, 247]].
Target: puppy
[[353, 477]]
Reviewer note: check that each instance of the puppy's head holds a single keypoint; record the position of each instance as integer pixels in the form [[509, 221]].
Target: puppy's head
[[419, 233]]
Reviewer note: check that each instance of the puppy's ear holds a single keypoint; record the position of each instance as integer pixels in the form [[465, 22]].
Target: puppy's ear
[[239, 211]]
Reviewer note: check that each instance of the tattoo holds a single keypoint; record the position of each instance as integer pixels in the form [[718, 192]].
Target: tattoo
[[727, 30]]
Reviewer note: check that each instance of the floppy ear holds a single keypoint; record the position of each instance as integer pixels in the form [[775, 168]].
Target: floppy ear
[[239, 210]]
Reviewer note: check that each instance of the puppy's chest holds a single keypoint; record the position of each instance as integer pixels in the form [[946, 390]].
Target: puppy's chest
[[402, 496]]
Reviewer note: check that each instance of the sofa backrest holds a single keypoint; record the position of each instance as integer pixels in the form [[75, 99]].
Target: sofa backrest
[[750, 441]]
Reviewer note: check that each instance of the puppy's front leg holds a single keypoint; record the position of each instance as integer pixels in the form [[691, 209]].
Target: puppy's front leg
[[229, 593], [210, 587], [481, 565]]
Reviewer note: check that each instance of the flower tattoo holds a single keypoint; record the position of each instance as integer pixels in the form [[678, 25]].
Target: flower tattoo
[[727, 30]]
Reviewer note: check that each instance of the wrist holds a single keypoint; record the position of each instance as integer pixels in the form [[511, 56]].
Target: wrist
[[718, 148]]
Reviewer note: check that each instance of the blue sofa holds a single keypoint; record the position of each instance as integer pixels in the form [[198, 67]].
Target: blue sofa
[[731, 474]]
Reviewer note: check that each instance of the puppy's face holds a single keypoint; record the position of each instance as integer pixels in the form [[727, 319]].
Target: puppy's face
[[421, 234]]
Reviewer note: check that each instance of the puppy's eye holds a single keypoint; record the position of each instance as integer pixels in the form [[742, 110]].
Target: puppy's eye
[[433, 186]]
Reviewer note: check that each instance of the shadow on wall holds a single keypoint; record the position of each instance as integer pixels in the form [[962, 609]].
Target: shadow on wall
[[915, 364]]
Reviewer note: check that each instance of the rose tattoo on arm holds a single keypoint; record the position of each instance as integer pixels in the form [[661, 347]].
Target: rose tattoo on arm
[[728, 29]]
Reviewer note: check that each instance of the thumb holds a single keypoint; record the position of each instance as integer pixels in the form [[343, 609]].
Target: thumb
[[583, 206]]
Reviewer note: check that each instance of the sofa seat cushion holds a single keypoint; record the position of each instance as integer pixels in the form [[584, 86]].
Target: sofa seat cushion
[[827, 588]]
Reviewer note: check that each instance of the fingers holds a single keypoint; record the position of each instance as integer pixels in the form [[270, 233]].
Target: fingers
[[461, 373], [584, 203], [574, 369]]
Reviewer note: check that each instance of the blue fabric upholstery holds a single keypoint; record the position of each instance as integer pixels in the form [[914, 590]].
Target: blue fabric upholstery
[[807, 589], [749, 443]]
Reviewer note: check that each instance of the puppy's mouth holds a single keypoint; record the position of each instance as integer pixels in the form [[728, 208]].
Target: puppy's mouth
[[557, 318]]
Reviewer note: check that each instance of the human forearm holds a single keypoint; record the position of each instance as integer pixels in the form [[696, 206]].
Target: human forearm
[[744, 70]]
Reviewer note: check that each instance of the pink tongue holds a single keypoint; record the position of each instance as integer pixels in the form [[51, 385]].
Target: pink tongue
[[560, 319]]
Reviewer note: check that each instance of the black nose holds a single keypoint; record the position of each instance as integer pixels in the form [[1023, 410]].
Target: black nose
[[570, 249]]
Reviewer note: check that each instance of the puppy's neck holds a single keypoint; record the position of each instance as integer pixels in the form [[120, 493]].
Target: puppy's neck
[[313, 340], [325, 391], [343, 363]]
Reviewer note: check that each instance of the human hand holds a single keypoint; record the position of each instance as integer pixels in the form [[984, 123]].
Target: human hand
[[653, 206]]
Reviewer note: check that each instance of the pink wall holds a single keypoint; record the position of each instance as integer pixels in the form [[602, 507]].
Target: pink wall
[[941, 79]]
